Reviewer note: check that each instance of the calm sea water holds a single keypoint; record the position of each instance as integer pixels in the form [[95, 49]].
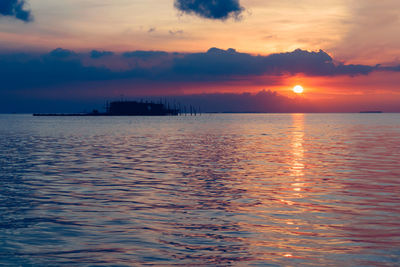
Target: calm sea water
[[218, 190]]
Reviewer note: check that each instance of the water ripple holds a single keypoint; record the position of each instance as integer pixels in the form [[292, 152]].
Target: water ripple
[[289, 189]]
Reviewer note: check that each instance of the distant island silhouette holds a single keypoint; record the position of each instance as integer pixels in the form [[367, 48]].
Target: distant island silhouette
[[371, 111]]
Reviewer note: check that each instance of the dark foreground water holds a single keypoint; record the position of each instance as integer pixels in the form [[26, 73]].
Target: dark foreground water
[[218, 190]]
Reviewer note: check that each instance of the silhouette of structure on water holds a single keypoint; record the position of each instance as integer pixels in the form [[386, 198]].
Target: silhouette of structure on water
[[132, 108]]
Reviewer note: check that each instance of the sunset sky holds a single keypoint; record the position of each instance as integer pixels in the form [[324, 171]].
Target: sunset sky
[[345, 53]]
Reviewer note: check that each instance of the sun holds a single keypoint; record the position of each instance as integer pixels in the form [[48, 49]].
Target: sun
[[298, 89]]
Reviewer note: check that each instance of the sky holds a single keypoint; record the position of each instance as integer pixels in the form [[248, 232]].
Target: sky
[[226, 55]]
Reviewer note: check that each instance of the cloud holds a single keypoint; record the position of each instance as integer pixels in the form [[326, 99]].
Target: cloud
[[211, 9], [61, 53], [15, 8], [144, 54], [99, 54], [312, 64], [372, 30], [177, 32], [66, 74], [392, 68], [61, 67], [227, 63], [219, 63]]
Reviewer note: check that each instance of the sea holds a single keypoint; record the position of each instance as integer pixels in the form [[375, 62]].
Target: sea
[[209, 190]]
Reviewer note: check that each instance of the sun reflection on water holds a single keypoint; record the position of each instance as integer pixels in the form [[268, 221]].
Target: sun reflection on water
[[297, 149]]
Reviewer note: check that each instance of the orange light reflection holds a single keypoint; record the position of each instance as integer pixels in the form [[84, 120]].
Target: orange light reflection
[[297, 165]]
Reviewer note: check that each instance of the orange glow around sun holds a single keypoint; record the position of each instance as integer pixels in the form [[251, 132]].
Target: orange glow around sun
[[298, 89]]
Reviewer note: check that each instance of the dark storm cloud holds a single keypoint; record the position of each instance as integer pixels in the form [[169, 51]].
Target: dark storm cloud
[[210, 9], [61, 67], [16, 9]]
